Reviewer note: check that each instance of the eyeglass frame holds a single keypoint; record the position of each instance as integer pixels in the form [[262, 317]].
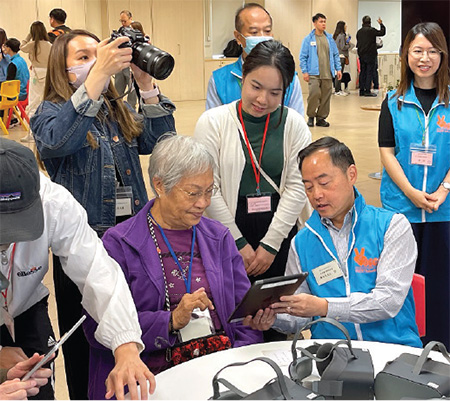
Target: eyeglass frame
[[195, 196], [422, 53]]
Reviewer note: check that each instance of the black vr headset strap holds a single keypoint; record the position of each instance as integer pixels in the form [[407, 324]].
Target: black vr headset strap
[[280, 379], [423, 357], [321, 320]]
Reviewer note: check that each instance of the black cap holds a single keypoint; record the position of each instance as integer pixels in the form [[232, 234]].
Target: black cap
[[21, 213]]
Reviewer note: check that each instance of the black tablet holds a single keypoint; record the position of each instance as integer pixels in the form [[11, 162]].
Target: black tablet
[[264, 293]]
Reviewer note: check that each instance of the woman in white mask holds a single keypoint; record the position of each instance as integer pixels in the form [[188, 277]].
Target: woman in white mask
[[89, 141]]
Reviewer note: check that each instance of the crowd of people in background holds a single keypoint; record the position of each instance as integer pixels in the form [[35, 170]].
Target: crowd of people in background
[[248, 197]]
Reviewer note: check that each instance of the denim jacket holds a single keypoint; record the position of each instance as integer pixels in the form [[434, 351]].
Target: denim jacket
[[60, 131]]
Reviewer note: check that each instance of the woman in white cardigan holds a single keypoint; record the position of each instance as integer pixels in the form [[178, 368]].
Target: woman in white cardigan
[[259, 206]]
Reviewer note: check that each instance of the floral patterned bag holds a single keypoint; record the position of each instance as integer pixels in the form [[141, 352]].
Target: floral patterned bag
[[199, 346]]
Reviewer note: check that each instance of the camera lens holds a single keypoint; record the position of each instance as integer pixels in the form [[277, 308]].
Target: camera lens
[[156, 62]]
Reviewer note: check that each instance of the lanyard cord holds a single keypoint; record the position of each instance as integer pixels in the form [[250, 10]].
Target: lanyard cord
[[11, 263], [249, 148], [424, 129], [174, 257]]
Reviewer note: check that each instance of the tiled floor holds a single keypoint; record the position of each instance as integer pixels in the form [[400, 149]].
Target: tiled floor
[[349, 123]]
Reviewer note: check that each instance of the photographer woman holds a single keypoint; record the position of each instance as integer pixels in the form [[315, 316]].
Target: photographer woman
[[89, 141]]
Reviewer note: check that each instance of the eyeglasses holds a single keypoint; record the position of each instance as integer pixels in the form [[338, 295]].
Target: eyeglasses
[[123, 21], [195, 196], [419, 53]]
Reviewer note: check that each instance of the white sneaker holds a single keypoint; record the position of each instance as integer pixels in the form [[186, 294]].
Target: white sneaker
[[347, 91], [343, 93], [27, 138]]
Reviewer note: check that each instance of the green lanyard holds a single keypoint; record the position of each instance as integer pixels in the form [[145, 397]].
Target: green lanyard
[[420, 122], [239, 81]]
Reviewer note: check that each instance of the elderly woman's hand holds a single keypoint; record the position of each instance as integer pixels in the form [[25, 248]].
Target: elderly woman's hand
[[263, 320], [182, 313]]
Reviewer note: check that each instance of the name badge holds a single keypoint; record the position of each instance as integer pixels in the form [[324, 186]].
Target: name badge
[[327, 272], [259, 203], [124, 201], [313, 43], [422, 155], [200, 325]]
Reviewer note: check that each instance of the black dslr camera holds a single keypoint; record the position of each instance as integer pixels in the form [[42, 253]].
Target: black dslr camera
[[156, 62]]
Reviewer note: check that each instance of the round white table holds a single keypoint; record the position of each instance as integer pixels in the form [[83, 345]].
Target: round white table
[[192, 380]]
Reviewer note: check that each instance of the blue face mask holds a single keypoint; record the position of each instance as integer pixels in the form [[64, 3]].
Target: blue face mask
[[252, 41]]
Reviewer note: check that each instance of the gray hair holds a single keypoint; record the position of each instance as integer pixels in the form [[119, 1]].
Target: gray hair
[[178, 156]]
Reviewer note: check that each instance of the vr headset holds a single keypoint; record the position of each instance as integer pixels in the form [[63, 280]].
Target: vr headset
[[414, 376], [346, 373], [279, 388]]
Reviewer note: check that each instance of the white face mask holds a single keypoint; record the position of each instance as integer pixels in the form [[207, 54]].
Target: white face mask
[[81, 72], [252, 41]]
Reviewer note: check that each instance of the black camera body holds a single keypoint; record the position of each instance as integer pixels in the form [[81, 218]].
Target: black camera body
[[154, 61]]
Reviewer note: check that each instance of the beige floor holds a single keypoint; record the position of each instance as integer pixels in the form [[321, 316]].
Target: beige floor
[[349, 123]]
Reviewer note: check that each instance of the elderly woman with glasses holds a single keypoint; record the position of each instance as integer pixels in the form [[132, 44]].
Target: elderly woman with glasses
[[184, 270]]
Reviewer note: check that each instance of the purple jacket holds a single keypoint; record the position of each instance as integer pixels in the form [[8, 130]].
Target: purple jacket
[[131, 245]]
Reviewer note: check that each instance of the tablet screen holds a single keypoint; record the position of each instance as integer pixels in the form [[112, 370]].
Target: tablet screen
[[264, 293]]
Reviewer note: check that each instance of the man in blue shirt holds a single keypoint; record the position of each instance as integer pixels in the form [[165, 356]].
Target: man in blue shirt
[[17, 68], [253, 24]]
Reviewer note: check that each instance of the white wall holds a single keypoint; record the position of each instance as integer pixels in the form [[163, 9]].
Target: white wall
[[390, 13]]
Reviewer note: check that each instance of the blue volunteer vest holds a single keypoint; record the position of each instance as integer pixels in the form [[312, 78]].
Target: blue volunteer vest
[[408, 130], [315, 247], [22, 74], [228, 80]]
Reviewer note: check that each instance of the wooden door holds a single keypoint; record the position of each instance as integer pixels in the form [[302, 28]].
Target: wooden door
[[177, 27]]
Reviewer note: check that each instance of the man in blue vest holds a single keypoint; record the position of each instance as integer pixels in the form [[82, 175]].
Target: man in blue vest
[[253, 24], [360, 259], [17, 68]]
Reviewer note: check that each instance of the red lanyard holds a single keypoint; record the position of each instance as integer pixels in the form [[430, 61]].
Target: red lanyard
[[11, 262], [257, 173]]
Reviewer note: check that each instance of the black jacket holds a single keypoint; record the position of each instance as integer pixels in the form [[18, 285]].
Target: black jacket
[[366, 42]]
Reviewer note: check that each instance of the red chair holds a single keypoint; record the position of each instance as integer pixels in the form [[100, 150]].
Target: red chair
[[418, 287]]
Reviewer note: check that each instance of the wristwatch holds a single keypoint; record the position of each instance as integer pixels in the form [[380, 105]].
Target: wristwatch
[[446, 185]]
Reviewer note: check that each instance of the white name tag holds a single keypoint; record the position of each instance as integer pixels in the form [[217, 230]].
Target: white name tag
[[327, 272], [199, 326], [123, 207], [313, 43]]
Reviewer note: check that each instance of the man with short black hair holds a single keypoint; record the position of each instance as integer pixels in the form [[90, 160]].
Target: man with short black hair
[[360, 259], [319, 62], [253, 24], [17, 68], [57, 19], [367, 52]]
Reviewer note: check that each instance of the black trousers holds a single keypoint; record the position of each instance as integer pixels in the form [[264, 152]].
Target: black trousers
[[34, 333], [366, 77], [254, 227], [433, 262], [76, 348]]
